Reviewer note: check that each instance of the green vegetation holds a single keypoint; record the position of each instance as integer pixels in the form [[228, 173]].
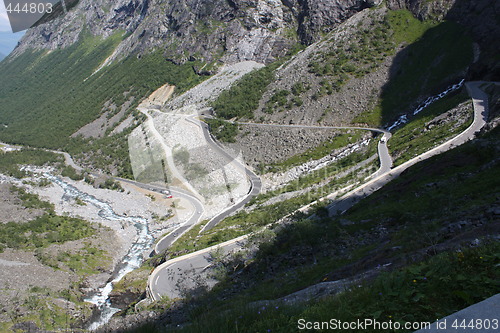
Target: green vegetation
[[46, 97], [299, 88], [62, 95], [239, 224], [337, 142], [417, 136], [110, 154], [134, 281], [10, 162], [30, 200], [330, 178], [46, 309], [335, 176], [43, 231], [223, 130], [85, 261], [189, 240], [277, 101], [448, 187], [414, 212], [421, 292], [437, 54], [243, 97], [365, 51], [111, 184], [415, 209], [43, 310], [69, 171]]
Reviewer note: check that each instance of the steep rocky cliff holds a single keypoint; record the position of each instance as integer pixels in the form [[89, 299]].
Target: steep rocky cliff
[[230, 30]]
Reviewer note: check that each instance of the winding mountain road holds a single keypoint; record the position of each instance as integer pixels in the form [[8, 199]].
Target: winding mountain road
[[480, 103], [255, 182], [165, 242], [166, 279]]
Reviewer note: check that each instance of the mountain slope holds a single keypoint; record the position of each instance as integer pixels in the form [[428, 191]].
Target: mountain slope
[[233, 30], [428, 220], [74, 83], [92, 66]]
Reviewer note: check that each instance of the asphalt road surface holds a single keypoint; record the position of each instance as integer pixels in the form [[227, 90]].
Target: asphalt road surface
[[165, 242], [174, 277]]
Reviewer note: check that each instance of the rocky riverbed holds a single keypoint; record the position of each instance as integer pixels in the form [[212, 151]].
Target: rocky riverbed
[[44, 274]]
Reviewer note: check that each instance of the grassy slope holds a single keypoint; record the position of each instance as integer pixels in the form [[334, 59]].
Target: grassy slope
[[424, 38], [416, 138], [56, 91], [42, 236], [415, 210], [244, 222], [419, 293], [46, 97], [436, 55]]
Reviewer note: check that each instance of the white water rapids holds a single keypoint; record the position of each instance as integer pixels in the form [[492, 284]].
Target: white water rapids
[[131, 261], [404, 118]]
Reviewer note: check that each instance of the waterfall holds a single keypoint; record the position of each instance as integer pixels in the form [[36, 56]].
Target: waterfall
[[404, 118]]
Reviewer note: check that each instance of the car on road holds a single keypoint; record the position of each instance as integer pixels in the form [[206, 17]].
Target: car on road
[[167, 193]]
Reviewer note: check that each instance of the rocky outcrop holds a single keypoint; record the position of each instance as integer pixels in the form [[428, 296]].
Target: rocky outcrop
[[227, 30]]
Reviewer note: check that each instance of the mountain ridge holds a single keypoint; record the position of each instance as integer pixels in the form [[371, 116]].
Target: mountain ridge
[[239, 29]]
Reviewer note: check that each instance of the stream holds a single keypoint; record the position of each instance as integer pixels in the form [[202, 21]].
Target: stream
[[404, 118], [131, 261]]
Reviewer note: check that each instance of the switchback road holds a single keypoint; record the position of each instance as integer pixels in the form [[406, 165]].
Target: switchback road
[[165, 279]]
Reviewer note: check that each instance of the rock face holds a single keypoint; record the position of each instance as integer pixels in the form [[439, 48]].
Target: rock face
[[238, 30], [227, 30]]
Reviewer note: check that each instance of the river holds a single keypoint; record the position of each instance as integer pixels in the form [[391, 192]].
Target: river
[[133, 259]]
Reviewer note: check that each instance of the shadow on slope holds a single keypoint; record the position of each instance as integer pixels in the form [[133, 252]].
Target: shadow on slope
[[444, 203], [435, 59]]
